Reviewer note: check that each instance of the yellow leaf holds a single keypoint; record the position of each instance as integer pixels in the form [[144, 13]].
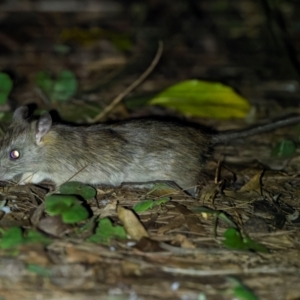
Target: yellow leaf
[[131, 223], [253, 184], [203, 99]]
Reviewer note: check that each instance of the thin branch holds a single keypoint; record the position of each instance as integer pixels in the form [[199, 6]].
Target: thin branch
[[136, 83]]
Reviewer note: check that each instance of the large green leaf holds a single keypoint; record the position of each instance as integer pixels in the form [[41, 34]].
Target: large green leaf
[[204, 99]]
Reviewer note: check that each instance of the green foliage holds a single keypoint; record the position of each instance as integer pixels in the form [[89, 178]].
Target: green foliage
[[240, 291], [105, 231], [69, 207], [6, 86], [234, 240], [284, 149], [204, 99], [149, 204], [59, 89], [76, 188], [14, 236]]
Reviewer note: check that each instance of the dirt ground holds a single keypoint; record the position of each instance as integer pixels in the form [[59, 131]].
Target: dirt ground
[[253, 47]]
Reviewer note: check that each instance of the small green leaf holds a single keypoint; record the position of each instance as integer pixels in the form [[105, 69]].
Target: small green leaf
[[76, 188], [65, 86], [241, 291], [252, 245], [45, 83], [161, 201], [143, 206], [67, 206], [57, 204], [203, 99], [105, 231], [33, 236], [76, 214], [284, 149], [234, 240], [12, 238], [149, 204], [6, 86]]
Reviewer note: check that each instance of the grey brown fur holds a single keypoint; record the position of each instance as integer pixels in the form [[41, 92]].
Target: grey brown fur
[[138, 151]]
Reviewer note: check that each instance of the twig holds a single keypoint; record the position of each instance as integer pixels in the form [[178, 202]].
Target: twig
[[136, 83]]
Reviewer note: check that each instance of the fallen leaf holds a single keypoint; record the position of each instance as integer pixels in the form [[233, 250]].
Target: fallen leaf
[[109, 209], [131, 223], [203, 99], [53, 226], [36, 216], [254, 184], [191, 220]]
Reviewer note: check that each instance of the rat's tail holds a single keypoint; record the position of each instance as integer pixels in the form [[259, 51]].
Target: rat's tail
[[227, 136]]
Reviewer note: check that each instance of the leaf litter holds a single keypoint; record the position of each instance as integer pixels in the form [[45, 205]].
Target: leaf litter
[[181, 238], [173, 250]]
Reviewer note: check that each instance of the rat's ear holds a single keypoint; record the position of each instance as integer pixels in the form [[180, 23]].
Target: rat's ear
[[20, 114], [43, 126]]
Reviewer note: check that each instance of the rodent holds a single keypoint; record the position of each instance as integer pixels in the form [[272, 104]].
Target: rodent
[[137, 150]]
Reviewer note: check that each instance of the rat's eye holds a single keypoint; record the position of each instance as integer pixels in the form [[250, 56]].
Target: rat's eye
[[14, 154]]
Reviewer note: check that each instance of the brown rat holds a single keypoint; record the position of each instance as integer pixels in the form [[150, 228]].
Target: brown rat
[[139, 151]]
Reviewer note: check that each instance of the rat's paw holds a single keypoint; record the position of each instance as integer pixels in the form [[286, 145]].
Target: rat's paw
[[25, 178]]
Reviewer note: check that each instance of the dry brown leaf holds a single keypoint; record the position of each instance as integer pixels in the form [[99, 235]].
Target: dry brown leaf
[[254, 184], [208, 193], [53, 226], [245, 196], [131, 223], [109, 209], [37, 214], [191, 220], [166, 190]]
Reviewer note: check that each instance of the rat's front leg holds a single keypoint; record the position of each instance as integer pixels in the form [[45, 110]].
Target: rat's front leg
[[30, 177]]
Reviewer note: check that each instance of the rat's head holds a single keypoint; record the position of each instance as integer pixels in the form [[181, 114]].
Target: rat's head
[[21, 148]]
